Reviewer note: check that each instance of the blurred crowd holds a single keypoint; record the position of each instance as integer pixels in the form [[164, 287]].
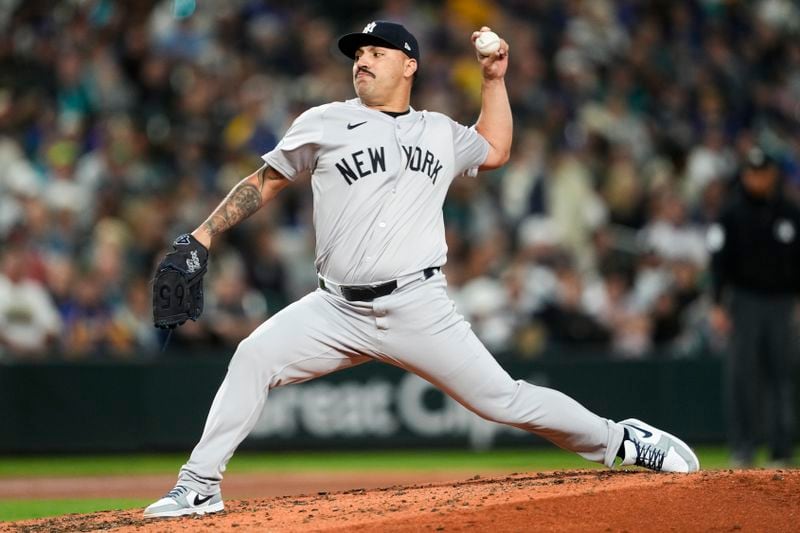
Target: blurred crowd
[[122, 124]]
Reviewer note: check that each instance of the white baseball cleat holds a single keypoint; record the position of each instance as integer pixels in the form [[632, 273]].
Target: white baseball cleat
[[657, 450], [182, 501]]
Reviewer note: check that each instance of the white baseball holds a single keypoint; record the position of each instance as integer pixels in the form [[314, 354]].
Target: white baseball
[[487, 43]]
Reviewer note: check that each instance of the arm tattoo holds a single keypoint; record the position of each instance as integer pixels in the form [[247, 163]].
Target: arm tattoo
[[243, 201]]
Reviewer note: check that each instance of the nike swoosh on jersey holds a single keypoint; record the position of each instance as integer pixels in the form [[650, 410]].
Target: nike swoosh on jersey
[[351, 126]]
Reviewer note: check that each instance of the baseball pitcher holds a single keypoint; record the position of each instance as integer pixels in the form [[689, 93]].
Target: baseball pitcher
[[379, 170]]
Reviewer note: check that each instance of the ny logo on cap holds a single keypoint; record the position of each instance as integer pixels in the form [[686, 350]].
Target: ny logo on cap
[[369, 27]]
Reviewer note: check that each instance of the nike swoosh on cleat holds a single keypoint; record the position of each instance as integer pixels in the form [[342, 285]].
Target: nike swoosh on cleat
[[646, 434], [200, 501], [351, 126]]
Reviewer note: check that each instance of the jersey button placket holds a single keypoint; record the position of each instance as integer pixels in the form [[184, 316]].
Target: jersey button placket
[[391, 180], [399, 142]]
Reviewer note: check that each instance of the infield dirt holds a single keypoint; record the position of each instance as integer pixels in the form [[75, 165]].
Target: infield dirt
[[596, 500]]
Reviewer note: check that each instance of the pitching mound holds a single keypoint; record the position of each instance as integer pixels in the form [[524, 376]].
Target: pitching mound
[[754, 500]]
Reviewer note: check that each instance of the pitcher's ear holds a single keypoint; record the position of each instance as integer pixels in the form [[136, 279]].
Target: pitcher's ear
[[411, 67]]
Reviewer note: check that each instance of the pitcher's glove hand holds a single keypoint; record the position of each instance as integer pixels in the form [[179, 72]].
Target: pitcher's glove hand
[[178, 283]]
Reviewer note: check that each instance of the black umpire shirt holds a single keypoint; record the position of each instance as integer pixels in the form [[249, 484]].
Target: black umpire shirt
[[755, 245]]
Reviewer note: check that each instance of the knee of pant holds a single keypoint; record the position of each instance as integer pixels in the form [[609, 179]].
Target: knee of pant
[[257, 358], [498, 408]]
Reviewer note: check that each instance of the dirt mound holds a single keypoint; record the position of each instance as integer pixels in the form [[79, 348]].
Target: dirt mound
[[754, 500]]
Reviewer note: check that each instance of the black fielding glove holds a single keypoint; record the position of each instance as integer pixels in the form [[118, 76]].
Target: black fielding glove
[[178, 283]]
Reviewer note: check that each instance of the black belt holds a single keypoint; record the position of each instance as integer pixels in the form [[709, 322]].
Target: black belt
[[367, 293]]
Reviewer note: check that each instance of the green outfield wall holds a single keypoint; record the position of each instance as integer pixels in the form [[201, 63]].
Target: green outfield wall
[[161, 405]]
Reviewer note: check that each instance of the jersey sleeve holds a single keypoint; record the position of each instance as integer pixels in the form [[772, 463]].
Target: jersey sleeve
[[471, 149], [296, 152]]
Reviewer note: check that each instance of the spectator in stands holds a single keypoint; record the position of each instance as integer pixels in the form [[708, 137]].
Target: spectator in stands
[[133, 334], [611, 300], [233, 309], [267, 271], [569, 325], [29, 322], [88, 320]]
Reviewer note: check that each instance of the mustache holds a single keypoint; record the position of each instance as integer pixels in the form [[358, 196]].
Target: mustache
[[363, 69]]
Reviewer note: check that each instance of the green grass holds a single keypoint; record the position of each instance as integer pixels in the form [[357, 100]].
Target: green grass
[[29, 509], [515, 460], [544, 458], [537, 459]]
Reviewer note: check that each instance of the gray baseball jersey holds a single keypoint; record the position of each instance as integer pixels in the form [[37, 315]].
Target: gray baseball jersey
[[379, 184]]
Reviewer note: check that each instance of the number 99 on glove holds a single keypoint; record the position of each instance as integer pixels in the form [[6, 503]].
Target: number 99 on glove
[[178, 283]]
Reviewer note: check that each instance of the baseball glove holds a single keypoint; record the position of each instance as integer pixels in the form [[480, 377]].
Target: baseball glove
[[178, 283]]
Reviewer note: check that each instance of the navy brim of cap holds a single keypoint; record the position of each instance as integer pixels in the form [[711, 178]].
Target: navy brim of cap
[[351, 42]]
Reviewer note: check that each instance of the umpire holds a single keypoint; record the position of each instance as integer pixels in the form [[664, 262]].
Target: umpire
[[756, 276]]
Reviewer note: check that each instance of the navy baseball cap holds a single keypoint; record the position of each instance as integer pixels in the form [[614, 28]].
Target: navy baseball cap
[[380, 33]]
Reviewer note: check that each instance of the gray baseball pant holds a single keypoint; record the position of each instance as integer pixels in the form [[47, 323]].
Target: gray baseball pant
[[415, 328]]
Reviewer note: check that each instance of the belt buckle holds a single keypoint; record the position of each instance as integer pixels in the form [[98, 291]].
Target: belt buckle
[[354, 294], [367, 293]]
